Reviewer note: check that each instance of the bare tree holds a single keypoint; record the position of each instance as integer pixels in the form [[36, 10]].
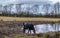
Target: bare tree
[[1, 8], [56, 9], [35, 8], [58, 6], [10, 7], [46, 7], [28, 10], [5, 9], [18, 8]]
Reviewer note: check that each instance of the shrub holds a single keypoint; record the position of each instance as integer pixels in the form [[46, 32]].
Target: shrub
[[1, 20], [39, 35], [46, 35]]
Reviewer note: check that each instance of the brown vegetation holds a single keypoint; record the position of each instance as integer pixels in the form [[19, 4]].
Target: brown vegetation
[[2, 18]]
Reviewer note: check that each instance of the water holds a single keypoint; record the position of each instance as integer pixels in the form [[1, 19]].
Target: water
[[43, 28]]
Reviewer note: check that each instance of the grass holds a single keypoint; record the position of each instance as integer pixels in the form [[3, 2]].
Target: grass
[[45, 35], [41, 35], [3, 18], [21, 36]]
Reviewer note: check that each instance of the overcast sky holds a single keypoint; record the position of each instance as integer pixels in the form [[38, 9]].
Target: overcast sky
[[14, 1]]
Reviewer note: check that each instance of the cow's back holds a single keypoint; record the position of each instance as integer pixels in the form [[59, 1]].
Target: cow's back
[[31, 26], [26, 26]]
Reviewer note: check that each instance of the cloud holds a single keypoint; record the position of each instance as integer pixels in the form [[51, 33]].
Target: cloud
[[14, 1], [30, 0], [7, 1], [54, 1]]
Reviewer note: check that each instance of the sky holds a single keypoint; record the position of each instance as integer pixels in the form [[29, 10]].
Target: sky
[[4, 2], [14, 1]]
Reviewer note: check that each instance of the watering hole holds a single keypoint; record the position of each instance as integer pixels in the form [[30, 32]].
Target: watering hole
[[43, 28], [17, 27]]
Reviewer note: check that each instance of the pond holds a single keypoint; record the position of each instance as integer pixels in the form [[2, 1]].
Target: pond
[[43, 28]]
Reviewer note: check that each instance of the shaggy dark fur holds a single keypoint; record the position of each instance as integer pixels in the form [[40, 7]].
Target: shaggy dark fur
[[28, 26]]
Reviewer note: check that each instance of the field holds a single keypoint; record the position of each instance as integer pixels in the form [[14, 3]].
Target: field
[[28, 19], [10, 28], [44, 35]]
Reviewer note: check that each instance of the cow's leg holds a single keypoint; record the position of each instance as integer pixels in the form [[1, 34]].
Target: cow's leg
[[23, 30], [34, 31], [30, 31]]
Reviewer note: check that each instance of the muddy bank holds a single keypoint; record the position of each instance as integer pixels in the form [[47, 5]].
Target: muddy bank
[[8, 27], [21, 22]]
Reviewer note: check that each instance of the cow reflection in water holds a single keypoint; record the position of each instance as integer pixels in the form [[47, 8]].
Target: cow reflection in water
[[28, 26]]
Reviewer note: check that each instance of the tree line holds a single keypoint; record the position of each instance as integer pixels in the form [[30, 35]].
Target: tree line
[[50, 10]]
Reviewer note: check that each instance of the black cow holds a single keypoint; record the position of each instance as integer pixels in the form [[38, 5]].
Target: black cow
[[28, 26]]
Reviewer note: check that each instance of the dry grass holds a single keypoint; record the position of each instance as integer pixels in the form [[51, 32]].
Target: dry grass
[[28, 19], [21, 36], [44, 35]]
